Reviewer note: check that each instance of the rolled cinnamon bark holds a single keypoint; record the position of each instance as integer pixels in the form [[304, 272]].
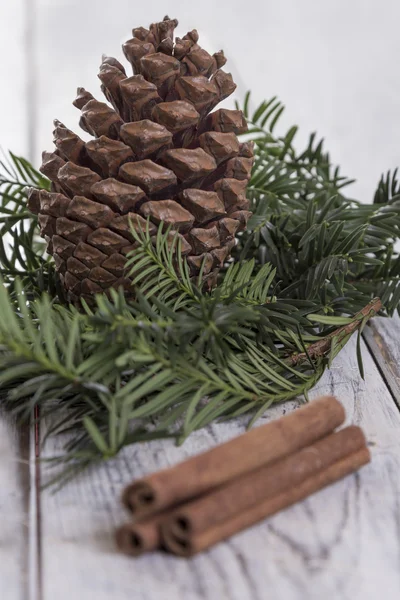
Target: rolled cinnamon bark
[[136, 538], [260, 446], [183, 543], [270, 480]]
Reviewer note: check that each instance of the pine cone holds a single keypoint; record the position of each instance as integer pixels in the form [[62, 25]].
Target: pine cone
[[157, 153]]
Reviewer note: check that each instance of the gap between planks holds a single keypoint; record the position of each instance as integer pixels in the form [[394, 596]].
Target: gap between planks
[[35, 514], [382, 336]]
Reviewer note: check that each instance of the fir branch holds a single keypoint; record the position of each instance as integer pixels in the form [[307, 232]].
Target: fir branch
[[159, 269], [175, 356], [114, 376]]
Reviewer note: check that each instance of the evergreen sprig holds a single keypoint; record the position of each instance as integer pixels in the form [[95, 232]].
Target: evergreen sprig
[[303, 278], [325, 247], [125, 372]]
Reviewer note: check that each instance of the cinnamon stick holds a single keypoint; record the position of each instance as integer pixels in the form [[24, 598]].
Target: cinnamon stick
[[183, 543], [136, 538], [260, 446], [270, 480]]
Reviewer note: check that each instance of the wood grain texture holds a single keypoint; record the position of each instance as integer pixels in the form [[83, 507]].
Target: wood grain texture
[[342, 543], [383, 339], [14, 511]]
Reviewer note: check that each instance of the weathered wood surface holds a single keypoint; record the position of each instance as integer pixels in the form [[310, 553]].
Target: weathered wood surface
[[383, 338], [342, 543], [17, 553]]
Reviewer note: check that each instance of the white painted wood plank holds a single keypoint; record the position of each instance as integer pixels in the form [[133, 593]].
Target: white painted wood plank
[[342, 543], [14, 511], [383, 339]]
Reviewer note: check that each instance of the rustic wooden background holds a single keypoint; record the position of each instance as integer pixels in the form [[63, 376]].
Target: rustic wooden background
[[335, 66]]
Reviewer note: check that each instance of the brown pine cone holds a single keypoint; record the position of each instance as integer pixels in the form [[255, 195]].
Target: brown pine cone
[[158, 152]]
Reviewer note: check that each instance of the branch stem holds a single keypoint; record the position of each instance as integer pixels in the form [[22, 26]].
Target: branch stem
[[322, 347]]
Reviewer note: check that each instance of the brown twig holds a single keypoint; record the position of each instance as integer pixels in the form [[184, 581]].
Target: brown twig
[[321, 347]]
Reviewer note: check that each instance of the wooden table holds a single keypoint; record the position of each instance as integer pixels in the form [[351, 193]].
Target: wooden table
[[342, 543]]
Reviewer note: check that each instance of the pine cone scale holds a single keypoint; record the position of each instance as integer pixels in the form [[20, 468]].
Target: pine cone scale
[[151, 177]]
